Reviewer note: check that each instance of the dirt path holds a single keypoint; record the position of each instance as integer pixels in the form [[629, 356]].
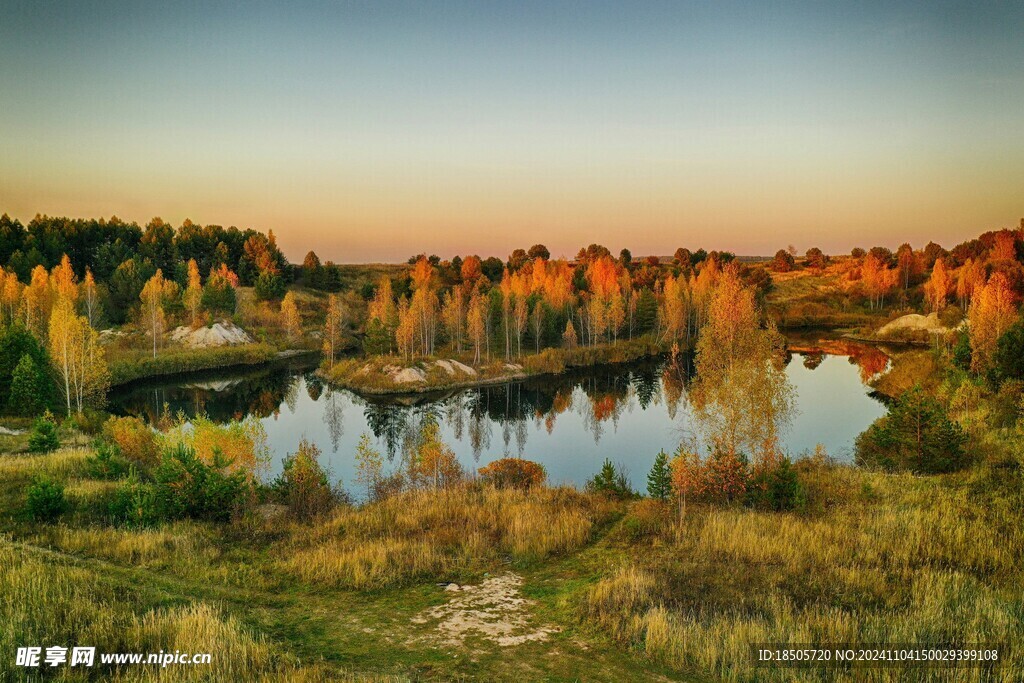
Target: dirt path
[[509, 627]]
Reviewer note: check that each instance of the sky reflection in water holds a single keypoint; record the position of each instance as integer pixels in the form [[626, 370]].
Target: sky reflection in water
[[569, 423]]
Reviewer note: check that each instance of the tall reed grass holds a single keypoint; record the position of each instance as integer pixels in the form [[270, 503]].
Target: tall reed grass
[[906, 560], [428, 533]]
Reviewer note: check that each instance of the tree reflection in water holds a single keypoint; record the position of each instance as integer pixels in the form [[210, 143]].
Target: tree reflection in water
[[599, 396]]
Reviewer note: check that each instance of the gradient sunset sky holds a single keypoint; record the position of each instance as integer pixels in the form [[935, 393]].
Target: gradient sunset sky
[[371, 131]]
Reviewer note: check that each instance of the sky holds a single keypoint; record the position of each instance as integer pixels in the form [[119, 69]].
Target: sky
[[373, 131]]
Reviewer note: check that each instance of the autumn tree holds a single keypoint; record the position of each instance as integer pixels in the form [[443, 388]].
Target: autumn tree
[[537, 322], [471, 269], [939, 286], [907, 263], [290, 316], [154, 295], [64, 281], [333, 326], [192, 297], [369, 465], [37, 301], [688, 477], [992, 312], [475, 323], [382, 316], [77, 356], [11, 295], [304, 484], [90, 298], [430, 461], [569, 336], [816, 258], [741, 399], [783, 261], [424, 303], [970, 279], [219, 292]]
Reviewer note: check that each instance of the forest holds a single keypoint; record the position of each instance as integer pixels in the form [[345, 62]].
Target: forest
[[182, 525]]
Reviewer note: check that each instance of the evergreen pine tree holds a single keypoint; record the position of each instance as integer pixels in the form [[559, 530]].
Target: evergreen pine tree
[[27, 388], [659, 479]]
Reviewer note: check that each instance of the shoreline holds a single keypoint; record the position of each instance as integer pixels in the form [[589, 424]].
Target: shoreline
[[435, 379], [235, 359]]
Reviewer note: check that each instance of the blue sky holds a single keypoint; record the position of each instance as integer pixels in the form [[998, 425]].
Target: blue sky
[[369, 131]]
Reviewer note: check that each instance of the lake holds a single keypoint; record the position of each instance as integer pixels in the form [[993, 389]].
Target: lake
[[570, 423]]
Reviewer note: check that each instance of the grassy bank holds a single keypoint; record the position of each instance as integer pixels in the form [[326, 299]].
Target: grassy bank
[[128, 366], [885, 559], [377, 375], [347, 597], [626, 590]]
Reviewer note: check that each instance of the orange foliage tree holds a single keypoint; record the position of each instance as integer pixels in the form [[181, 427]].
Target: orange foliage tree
[[431, 462], [993, 310], [513, 473], [939, 286]]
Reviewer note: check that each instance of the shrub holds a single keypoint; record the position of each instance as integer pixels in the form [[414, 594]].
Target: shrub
[[220, 297], [377, 340], [514, 473], [90, 421], [43, 437], [612, 480], [431, 462], [303, 485], [27, 388], [16, 342], [133, 438], [135, 504], [187, 487], [1008, 359], [548, 361], [721, 477], [106, 463], [44, 500], [647, 518], [269, 286], [659, 479], [387, 486], [775, 485], [917, 435], [240, 444], [962, 352]]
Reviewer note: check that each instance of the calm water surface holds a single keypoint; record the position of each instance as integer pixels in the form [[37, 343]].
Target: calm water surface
[[570, 423]]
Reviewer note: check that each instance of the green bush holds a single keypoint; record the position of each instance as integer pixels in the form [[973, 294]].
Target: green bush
[[303, 485], [776, 487], [107, 463], [612, 480], [90, 421], [917, 436], [219, 298], [186, 487], [43, 437], [44, 500], [1008, 359], [962, 352], [16, 342], [28, 387], [134, 504], [269, 286]]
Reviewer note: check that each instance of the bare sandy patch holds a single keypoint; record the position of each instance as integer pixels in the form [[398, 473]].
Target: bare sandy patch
[[493, 611]]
